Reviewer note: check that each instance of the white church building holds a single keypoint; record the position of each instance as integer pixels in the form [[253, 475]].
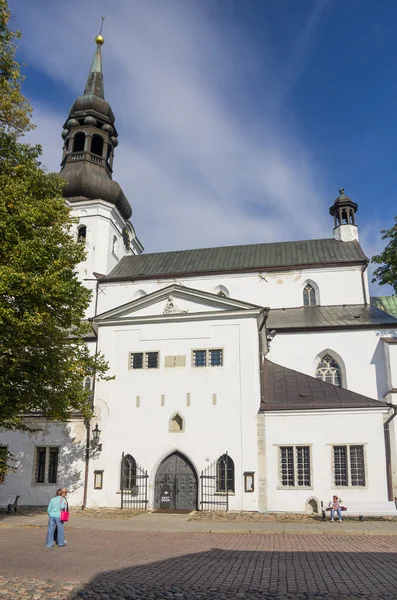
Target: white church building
[[253, 378]]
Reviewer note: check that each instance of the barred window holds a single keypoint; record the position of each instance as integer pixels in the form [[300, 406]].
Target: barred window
[[349, 466], [128, 472], [136, 360], [225, 474], [309, 295], [199, 358], [46, 464], [210, 358], [295, 468], [144, 360], [215, 358], [328, 370], [151, 360]]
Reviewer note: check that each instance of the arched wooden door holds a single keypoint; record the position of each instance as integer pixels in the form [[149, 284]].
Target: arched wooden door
[[176, 484]]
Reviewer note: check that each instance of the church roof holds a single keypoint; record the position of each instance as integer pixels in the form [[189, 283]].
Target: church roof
[[229, 259], [386, 303], [286, 389], [329, 317]]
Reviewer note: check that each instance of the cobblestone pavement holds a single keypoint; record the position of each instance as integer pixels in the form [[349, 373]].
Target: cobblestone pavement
[[188, 566]]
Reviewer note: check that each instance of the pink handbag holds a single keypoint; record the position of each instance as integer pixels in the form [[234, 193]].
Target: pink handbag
[[65, 513]]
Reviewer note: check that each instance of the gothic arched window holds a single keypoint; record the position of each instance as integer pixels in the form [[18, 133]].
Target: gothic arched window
[[128, 472], [78, 142], [328, 370], [309, 295], [225, 474], [97, 144]]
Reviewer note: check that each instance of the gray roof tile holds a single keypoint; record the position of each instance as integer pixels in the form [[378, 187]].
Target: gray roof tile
[[286, 389], [320, 317], [278, 255]]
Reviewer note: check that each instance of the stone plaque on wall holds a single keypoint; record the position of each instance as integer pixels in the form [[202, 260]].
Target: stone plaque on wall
[[175, 361]]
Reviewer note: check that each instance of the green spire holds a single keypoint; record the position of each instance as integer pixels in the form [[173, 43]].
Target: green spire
[[94, 83]]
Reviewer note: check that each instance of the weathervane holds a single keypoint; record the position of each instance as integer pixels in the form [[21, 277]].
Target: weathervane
[[99, 38]]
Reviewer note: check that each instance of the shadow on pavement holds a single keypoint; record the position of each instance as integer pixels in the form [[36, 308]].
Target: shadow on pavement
[[221, 574]]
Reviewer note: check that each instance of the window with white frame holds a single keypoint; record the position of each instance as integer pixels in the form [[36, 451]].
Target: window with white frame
[[208, 358], [309, 295], [329, 370], [349, 466], [295, 467], [46, 464], [144, 360]]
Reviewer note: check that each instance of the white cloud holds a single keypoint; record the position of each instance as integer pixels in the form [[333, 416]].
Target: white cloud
[[198, 169]]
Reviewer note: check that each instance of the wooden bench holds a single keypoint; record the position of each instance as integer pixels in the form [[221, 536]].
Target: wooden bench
[[365, 509]]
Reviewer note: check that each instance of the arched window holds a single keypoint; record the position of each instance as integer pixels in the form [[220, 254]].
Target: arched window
[[78, 142], [97, 144], [221, 291], [309, 295], [82, 234], [328, 370], [128, 472], [225, 474]]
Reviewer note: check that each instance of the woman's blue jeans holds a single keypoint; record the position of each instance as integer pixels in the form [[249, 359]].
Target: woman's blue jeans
[[339, 511], [52, 523]]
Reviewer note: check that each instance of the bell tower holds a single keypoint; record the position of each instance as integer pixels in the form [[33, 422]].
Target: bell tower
[[344, 210], [90, 138]]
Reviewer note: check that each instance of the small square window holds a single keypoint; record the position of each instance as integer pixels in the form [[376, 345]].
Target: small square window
[[215, 358], [152, 360], [136, 360], [199, 358]]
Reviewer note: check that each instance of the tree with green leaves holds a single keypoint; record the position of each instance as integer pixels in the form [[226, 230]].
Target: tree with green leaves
[[43, 355], [386, 274]]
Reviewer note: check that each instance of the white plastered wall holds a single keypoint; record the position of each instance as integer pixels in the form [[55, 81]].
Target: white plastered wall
[[336, 286], [223, 402], [70, 438], [320, 430], [360, 354]]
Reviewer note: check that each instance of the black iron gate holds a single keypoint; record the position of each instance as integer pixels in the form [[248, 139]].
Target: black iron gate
[[215, 485], [133, 484]]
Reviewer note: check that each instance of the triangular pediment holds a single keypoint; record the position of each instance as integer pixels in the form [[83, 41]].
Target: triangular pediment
[[176, 301]]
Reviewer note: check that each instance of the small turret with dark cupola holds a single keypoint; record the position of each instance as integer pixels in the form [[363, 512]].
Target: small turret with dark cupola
[[90, 138], [344, 210]]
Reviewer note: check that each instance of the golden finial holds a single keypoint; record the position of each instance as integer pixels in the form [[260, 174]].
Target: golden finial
[[99, 38]]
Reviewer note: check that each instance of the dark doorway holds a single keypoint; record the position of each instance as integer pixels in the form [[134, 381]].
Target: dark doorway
[[176, 484]]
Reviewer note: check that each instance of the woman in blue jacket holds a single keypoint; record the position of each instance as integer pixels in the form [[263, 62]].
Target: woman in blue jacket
[[54, 519]]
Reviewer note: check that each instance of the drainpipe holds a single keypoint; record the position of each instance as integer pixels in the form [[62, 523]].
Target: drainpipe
[[389, 474], [364, 268]]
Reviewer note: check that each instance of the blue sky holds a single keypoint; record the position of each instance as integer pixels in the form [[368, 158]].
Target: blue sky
[[238, 119]]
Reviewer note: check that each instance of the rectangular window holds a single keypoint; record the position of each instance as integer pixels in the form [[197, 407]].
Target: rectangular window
[[46, 464], [199, 358], [136, 360], [40, 464], [53, 465], [3, 462], [215, 358], [144, 360], [295, 467], [152, 360], [207, 358], [349, 466]]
